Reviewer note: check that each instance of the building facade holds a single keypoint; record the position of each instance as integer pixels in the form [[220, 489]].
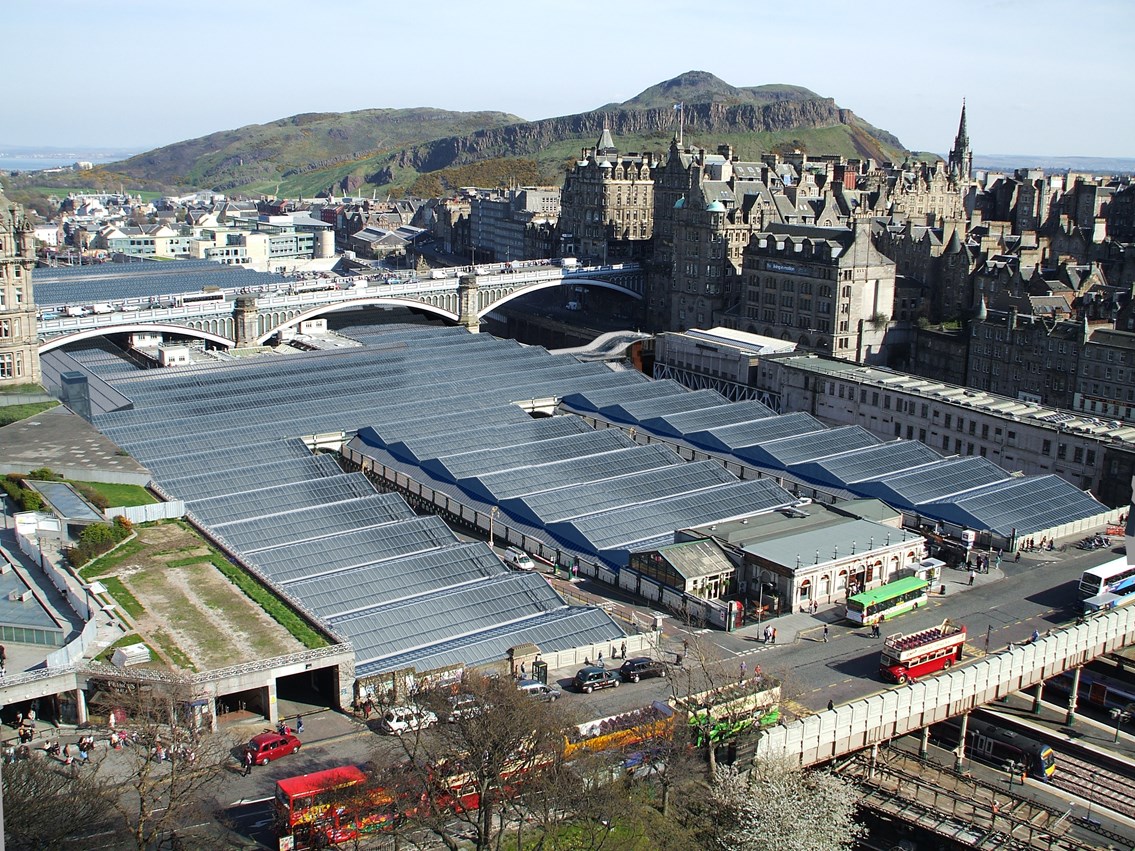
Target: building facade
[[826, 289], [608, 204], [1017, 435], [19, 348]]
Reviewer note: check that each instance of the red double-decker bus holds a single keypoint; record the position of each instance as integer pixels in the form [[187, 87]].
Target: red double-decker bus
[[332, 806], [908, 657]]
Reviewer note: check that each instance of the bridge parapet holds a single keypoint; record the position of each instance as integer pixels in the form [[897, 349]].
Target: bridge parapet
[[245, 318], [904, 709]]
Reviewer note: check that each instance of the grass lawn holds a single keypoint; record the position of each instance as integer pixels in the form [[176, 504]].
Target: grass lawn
[[171, 651], [110, 561], [15, 413], [121, 495], [123, 597]]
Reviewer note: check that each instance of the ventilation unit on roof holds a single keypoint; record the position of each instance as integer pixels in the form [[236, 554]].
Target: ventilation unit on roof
[[19, 596]]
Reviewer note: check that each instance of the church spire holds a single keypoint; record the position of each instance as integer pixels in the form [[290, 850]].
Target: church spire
[[606, 145], [961, 158]]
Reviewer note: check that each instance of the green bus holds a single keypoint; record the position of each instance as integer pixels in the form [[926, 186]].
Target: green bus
[[887, 601]]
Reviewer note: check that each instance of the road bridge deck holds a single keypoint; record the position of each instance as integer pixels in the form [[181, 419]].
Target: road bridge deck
[[896, 712]]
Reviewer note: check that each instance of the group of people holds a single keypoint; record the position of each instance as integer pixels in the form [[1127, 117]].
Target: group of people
[[770, 634], [284, 730], [1045, 544], [25, 726]]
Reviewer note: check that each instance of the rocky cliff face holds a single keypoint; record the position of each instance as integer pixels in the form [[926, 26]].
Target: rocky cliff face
[[707, 118]]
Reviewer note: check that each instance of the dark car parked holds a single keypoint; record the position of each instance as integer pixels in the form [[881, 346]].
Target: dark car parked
[[590, 678], [640, 668]]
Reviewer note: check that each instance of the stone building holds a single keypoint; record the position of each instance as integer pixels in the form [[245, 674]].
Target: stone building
[[726, 203], [607, 204], [1018, 435], [19, 349], [816, 553], [826, 289], [513, 224], [1033, 358]]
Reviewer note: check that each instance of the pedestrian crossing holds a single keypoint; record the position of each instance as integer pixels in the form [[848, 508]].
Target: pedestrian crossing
[[752, 651]]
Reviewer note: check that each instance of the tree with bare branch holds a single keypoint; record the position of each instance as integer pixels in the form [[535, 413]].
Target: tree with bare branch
[[47, 803], [163, 763]]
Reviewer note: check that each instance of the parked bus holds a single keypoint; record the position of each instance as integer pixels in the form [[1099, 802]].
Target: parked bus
[[888, 601], [328, 807], [908, 657], [1108, 586], [620, 731], [191, 299]]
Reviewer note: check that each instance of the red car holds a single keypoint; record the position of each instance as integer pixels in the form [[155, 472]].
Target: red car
[[266, 747]]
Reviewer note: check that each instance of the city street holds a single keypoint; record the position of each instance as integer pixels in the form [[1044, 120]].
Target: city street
[[1002, 607]]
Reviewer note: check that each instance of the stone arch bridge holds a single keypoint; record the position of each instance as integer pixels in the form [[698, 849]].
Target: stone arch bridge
[[235, 319]]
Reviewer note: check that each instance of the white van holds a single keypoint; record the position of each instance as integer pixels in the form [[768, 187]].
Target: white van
[[518, 559]]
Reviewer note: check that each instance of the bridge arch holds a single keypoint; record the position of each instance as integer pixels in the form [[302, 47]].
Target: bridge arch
[[279, 322], [544, 285], [130, 328]]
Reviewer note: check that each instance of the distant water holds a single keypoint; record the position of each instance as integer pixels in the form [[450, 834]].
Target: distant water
[[23, 162]]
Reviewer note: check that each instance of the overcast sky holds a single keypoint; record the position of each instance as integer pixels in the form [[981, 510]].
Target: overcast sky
[[1039, 76]]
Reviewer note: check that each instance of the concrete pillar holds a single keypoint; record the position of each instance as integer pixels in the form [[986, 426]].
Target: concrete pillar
[[80, 707], [246, 327], [1070, 718], [468, 303], [1036, 697], [924, 743], [273, 709], [960, 753]]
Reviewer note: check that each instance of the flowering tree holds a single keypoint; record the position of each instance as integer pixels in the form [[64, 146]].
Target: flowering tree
[[779, 807]]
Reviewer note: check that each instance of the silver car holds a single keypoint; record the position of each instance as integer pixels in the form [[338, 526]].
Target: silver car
[[538, 690]]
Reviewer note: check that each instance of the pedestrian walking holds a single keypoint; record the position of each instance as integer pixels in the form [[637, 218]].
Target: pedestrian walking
[[599, 662], [247, 763], [768, 635], [774, 635], [299, 725], [875, 630], [831, 705], [825, 633], [741, 678], [972, 576], [623, 650]]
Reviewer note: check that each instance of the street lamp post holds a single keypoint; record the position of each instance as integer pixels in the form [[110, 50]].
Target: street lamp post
[[492, 519], [1121, 715]]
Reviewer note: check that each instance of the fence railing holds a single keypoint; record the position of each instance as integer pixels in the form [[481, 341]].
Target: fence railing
[[898, 711]]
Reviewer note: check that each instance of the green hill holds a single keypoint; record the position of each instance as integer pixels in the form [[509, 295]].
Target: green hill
[[390, 151]]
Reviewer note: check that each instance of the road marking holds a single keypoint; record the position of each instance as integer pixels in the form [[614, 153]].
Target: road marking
[[751, 651], [246, 801]]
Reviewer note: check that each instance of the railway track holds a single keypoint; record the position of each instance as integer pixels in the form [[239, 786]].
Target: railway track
[[1103, 787], [960, 808]]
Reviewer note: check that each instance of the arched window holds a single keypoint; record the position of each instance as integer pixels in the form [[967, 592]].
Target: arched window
[[806, 589], [825, 585], [841, 580]]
